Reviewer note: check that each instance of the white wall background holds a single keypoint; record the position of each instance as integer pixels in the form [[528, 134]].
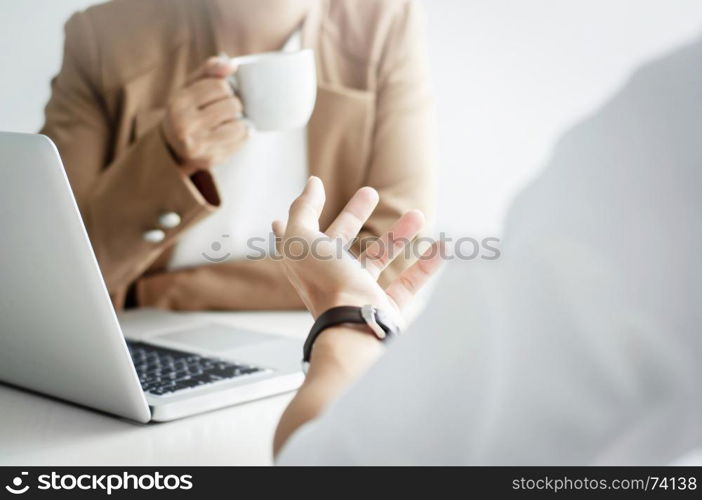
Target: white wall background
[[510, 77]]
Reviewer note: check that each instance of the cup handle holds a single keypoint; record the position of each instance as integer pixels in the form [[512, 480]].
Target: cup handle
[[234, 83], [241, 116], [246, 121]]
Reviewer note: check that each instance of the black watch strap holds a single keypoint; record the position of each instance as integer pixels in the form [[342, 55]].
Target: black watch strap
[[382, 326]]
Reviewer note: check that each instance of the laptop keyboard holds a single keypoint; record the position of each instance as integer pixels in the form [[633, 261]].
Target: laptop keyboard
[[164, 371]]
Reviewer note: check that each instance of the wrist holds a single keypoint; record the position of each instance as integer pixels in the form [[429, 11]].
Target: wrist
[[348, 332], [185, 165], [165, 136], [344, 349], [341, 299], [343, 334]]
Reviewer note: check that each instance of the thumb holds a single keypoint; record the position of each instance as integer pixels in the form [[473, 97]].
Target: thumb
[[214, 67], [279, 228]]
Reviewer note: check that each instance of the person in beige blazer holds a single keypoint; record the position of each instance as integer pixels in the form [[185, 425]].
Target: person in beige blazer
[[111, 115]]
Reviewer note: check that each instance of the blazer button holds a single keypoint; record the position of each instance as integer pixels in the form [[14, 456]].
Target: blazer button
[[169, 220], [154, 236]]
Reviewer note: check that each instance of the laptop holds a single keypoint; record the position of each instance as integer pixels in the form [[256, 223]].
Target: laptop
[[60, 335]]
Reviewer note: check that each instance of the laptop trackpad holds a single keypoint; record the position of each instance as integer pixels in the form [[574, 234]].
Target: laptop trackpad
[[228, 342], [216, 338]]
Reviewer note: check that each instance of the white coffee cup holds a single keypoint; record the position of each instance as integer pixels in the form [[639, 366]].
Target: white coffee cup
[[277, 89]]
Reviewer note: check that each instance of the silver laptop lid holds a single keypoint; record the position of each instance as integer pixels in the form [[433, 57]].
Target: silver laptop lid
[[59, 334]]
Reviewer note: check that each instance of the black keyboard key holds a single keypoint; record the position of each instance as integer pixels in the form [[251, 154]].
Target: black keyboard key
[[163, 371]]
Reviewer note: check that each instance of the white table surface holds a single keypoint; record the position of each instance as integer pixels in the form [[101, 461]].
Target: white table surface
[[37, 430]]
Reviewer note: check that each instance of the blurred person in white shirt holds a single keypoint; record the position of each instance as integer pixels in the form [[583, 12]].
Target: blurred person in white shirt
[[580, 345]]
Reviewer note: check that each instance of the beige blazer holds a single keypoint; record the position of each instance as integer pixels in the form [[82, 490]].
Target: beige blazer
[[372, 125]]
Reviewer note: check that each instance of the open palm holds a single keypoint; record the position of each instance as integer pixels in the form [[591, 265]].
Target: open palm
[[326, 276]]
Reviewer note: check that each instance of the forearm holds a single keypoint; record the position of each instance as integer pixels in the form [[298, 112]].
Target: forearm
[[251, 284], [339, 357]]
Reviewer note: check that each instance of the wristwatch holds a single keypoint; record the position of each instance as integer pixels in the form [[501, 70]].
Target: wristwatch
[[378, 322]]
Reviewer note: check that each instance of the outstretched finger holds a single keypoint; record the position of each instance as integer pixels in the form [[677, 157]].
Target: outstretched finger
[[356, 212], [403, 289], [306, 209], [383, 251]]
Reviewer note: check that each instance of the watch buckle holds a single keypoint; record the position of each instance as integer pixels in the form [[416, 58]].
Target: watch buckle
[[368, 314]]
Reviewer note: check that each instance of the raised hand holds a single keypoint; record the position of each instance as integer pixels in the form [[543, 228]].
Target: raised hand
[[327, 276]]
